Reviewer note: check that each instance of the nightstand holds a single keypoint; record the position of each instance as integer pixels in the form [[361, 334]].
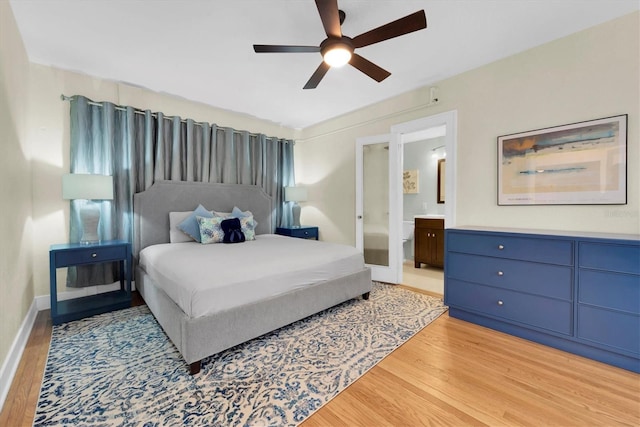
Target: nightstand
[[75, 254], [303, 232]]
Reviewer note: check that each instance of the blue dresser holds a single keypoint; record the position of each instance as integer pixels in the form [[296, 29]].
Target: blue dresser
[[576, 292]]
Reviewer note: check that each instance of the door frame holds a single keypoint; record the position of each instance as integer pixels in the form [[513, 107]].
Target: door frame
[[402, 132]]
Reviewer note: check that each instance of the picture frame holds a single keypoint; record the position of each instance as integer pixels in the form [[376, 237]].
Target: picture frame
[[410, 181], [441, 186], [583, 163]]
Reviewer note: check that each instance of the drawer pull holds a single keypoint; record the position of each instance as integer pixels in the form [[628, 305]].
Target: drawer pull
[[93, 255], [500, 302], [500, 273], [501, 247]]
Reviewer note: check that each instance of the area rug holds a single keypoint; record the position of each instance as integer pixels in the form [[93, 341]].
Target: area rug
[[120, 369]]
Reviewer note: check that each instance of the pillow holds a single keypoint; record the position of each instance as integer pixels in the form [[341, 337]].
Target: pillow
[[210, 229], [248, 226], [175, 234], [190, 224], [232, 231]]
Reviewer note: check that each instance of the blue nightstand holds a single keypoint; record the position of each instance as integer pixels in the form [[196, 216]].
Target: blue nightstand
[[303, 232], [75, 254]]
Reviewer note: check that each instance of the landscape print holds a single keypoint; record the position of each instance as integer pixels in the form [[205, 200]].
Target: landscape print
[[581, 163]]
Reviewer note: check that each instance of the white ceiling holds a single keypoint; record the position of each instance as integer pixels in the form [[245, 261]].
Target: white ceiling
[[202, 50]]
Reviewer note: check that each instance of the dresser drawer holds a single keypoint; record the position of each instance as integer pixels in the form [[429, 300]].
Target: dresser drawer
[[609, 290], [610, 328], [531, 310], [90, 255], [542, 279], [621, 258], [522, 248]]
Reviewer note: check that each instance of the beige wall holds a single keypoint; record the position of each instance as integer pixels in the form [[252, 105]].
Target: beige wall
[[587, 75], [16, 282]]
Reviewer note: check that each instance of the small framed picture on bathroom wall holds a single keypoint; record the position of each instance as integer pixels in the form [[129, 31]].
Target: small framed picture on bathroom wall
[[410, 181]]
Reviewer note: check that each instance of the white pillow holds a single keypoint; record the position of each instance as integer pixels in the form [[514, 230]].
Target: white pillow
[[175, 234]]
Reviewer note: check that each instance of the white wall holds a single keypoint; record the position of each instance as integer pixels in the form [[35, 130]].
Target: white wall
[[587, 75], [419, 155]]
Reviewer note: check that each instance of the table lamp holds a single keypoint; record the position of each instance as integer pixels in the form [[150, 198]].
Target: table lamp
[[295, 195], [88, 187]]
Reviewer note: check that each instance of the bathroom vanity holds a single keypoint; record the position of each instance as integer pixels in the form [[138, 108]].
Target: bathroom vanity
[[429, 241]]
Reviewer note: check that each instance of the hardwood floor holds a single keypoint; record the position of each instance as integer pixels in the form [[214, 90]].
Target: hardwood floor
[[451, 373]]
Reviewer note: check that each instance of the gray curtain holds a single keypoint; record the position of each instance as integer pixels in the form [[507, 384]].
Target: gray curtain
[[140, 147]]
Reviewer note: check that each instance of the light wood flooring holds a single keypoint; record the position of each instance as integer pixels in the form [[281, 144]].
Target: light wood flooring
[[451, 373]]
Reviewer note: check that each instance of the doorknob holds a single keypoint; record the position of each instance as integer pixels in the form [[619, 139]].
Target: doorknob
[[359, 216]]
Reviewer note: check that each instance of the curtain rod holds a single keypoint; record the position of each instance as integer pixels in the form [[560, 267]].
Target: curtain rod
[[63, 97]]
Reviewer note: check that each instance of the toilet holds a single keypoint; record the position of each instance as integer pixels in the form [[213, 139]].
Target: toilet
[[407, 236]]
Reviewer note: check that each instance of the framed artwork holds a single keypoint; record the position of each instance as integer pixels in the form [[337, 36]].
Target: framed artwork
[[441, 174], [410, 182], [581, 163]]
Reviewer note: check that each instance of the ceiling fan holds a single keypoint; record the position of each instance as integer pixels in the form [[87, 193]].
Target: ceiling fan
[[338, 49]]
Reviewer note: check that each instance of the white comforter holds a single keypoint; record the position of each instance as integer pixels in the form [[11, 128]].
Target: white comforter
[[205, 279]]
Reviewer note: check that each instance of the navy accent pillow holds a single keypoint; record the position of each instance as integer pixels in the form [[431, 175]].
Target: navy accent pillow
[[232, 231]]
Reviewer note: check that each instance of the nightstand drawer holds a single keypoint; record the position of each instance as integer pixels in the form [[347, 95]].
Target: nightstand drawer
[[89, 256], [300, 232], [531, 310], [522, 248]]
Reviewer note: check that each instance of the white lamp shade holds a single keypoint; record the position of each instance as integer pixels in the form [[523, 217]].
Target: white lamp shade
[[295, 194], [87, 186]]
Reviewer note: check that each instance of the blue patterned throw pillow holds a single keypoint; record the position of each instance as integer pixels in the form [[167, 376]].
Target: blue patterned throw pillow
[[190, 225], [247, 222], [210, 229]]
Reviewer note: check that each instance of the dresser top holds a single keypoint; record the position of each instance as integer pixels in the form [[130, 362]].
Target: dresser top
[[559, 233]]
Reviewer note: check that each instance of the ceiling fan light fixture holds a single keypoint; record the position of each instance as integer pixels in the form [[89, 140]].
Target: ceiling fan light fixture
[[337, 56]]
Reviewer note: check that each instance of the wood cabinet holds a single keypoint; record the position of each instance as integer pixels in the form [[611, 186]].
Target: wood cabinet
[[579, 293], [429, 242]]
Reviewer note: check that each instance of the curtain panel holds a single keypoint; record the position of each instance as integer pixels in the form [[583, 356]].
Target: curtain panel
[[138, 148]]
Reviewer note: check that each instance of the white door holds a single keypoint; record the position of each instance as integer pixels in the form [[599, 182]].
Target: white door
[[377, 216]]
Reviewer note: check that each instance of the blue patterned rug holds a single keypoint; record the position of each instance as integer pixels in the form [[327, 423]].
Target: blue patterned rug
[[120, 369]]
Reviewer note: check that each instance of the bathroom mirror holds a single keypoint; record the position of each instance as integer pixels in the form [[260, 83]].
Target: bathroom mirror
[[441, 169]]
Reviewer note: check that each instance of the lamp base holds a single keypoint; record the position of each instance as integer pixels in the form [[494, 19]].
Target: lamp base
[[295, 213], [90, 218]]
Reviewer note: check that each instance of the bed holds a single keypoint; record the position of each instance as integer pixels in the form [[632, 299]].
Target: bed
[[202, 321]]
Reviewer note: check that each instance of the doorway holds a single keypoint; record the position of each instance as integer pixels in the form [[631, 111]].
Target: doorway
[[434, 139]]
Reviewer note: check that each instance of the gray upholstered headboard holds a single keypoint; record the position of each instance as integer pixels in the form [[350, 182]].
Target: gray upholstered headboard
[[151, 207]]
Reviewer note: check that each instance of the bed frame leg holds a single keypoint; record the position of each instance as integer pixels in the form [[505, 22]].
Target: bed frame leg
[[365, 295], [194, 367]]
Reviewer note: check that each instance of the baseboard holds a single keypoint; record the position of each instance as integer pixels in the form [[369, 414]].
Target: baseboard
[[43, 302], [10, 365]]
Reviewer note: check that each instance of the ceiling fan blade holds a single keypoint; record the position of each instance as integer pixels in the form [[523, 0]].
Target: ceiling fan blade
[[317, 76], [410, 23], [330, 17], [270, 48], [369, 68]]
